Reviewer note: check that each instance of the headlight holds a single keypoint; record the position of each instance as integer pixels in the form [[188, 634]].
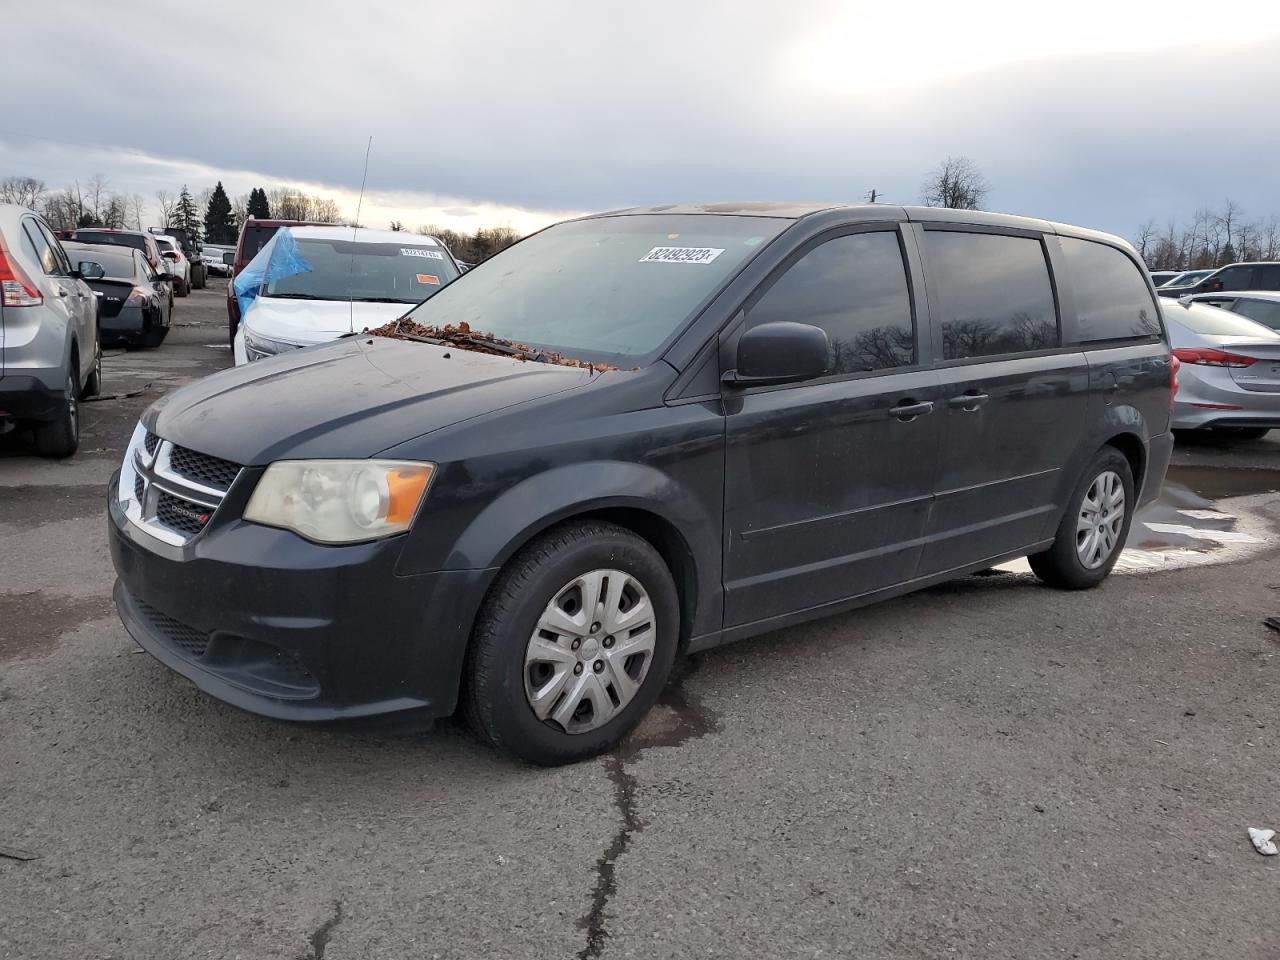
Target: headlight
[[340, 501], [256, 347]]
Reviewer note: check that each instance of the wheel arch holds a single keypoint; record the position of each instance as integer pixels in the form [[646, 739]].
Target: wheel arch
[[1131, 445]]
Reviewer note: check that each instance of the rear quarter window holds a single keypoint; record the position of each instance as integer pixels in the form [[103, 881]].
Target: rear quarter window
[[1112, 300], [1262, 311]]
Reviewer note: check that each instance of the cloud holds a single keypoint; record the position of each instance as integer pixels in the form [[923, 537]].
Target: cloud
[[531, 111]]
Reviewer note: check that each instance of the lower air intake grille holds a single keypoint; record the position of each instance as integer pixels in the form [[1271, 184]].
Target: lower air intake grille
[[187, 639]]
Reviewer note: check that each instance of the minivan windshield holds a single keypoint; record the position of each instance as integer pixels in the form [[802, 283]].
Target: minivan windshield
[[404, 271], [609, 289]]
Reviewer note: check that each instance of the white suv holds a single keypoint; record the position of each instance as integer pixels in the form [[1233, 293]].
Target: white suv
[[176, 263], [50, 355]]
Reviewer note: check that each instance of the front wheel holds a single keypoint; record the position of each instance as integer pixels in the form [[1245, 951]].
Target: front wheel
[[1093, 528], [573, 644]]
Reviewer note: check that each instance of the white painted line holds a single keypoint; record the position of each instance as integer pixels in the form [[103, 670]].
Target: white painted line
[[1206, 515]]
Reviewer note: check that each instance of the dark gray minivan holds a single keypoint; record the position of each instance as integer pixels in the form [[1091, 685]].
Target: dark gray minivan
[[777, 412]]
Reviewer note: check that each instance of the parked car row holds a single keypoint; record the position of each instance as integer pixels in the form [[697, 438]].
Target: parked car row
[[1263, 275], [62, 300]]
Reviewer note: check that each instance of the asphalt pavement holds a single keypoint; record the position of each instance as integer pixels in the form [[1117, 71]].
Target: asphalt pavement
[[986, 769]]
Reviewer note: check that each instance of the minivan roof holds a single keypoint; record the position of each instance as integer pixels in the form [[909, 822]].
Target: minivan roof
[[873, 211]]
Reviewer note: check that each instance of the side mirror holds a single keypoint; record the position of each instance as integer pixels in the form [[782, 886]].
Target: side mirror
[[91, 270], [780, 352], [228, 258]]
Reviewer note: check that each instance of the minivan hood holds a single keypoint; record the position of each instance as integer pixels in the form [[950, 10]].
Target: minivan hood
[[317, 321], [349, 399]]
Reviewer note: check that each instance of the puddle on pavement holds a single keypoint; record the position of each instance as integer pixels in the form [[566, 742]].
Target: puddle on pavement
[[676, 718], [31, 622], [1187, 525]]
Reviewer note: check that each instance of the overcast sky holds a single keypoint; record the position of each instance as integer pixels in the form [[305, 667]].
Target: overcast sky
[[488, 111]]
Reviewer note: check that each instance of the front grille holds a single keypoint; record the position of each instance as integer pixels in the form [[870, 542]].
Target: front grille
[[178, 514], [188, 639], [172, 492], [202, 468]]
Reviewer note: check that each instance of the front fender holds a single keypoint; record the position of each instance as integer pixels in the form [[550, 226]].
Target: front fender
[[538, 502]]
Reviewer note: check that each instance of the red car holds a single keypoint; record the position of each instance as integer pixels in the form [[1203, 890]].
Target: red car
[[253, 237]]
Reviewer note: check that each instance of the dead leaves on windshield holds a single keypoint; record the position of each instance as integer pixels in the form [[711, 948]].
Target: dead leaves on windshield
[[464, 338]]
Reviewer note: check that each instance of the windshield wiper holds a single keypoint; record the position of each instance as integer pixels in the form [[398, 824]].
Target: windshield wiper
[[381, 300], [296, 296]]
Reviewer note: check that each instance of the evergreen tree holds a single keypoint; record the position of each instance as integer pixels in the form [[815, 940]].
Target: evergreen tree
[[258, 205], [185, 214], [218, 224]]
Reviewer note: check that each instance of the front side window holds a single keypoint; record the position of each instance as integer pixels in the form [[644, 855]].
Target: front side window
[[1112, 300], [1234, 278], [1263, 311], [855, 288], [994, 294], [603, 289]]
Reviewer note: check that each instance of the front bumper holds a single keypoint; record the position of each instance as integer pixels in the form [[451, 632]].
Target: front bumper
[[271, 623]]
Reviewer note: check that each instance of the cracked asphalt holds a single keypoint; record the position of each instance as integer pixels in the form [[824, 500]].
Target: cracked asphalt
[[986, 769]]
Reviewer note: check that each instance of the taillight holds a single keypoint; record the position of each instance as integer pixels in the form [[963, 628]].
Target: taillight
[[137, 297], [18, 290], [1174, 364], [1208, 357]]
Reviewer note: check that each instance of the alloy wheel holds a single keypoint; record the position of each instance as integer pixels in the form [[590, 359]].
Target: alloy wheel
[[590, 651], [1100, 521]]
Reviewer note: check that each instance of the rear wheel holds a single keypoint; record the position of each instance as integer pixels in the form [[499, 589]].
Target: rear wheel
[[1093, 528], [61, 436], [184, 287], [573, 644], [153, 337]]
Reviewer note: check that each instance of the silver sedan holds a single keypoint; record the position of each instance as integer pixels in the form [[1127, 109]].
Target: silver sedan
[[1229, 379]]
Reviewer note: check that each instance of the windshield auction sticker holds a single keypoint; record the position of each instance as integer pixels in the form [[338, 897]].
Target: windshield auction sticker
[[681, 255], [415, 252], [427, 278]]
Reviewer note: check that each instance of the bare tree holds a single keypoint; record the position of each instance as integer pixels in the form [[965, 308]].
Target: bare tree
[[97, 194], [325, 210], [1145, 241], [137, 209], [957, 183], [167, 206], [24, 191], [1227, 220], [240, 210]]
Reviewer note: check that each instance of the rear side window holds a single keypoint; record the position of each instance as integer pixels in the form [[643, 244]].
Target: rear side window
[[1263, 311], [255, 238], [1267, 277], [854, 288], [1112, 300], [994, 293]]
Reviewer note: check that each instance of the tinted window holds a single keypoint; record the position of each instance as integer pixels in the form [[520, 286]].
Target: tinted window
[[994, 294], [255, 238], [1112, 301], [43, 250], [1234, 278], [1264, 311], [115, 263], [115, 239], [1267, 278], [854, 288]]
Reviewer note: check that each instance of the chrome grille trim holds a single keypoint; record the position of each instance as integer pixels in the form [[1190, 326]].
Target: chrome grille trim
[[147, 469]]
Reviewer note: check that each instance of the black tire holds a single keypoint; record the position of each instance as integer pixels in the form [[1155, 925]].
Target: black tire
[[1061, 566], [93, 384], [199, 279], [184, 288], [493, 697], [61, 436], [153, 337]]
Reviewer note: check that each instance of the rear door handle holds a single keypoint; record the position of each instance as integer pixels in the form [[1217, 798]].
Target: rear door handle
[[908, 410], [969, 401]]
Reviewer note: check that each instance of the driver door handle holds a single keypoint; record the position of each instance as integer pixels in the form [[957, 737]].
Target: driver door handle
[[908, 410]]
